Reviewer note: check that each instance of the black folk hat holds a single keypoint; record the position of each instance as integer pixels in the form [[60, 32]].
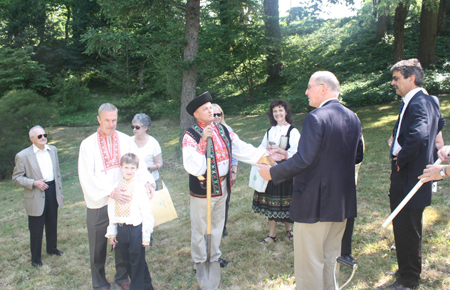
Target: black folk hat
[[198, 102]]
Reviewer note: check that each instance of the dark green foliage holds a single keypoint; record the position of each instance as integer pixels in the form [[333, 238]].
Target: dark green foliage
[[149, 102], [142, 46], [72, 92], [20, 110], [24, 22], [130, 53], [19, 71], [232, 48]]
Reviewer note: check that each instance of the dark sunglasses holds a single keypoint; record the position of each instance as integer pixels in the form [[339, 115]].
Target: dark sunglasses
[[135, 127], [218, 115], [40, 136]]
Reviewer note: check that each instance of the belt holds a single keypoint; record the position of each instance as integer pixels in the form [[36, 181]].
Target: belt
[[222, 178], [50, 182]]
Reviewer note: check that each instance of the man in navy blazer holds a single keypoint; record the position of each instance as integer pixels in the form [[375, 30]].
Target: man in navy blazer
[[324, 193], [413, 147]]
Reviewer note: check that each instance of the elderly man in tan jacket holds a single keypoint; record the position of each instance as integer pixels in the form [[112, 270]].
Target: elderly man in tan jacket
[[37, 171]]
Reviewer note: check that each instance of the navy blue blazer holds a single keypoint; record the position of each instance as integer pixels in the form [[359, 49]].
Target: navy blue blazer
[[422, 121], [324, 166]]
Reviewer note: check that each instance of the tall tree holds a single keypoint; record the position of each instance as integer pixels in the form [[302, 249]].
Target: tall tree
[[140, 45], [189, 82], [382, 10], [24, 22], [428, 32], [443, 6], [401, 12], [236, 47], [273, 35]]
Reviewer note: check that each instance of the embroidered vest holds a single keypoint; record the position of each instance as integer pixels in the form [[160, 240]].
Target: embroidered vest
[[197, 184], [123, 210]]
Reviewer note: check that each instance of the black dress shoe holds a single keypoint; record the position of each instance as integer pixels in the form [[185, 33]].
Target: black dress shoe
[[56, 253], [223, 263], [397, 286], [36, 264], [349, 258]]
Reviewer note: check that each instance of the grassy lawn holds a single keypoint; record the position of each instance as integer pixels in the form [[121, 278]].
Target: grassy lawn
[[253, 266]]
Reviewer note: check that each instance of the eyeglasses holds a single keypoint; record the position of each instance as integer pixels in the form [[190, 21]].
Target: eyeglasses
[[135, 127], [218, 115], [310, 86], [42, 135]]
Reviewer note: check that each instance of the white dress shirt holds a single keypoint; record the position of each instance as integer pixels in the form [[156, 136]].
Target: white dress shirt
[[140, 213], [406, 100], [45, 162]]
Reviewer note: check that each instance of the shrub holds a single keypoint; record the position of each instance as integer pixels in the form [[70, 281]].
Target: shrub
[[72, 92], [149, 102], [18, 71], [19, 111], [436, 82]]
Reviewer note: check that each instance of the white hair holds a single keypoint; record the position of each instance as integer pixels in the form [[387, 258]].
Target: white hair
[[107, 107], [32, 130], [328, 79]]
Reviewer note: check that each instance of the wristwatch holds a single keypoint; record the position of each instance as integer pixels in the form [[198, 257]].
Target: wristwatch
[[442, 172]]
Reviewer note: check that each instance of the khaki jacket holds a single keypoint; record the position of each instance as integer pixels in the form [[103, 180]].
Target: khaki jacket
[[26, 171]]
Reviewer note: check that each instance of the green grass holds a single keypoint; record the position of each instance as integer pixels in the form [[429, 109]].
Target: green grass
[[253, 266]]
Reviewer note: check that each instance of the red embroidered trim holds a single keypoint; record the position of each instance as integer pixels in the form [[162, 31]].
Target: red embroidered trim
[[110, 159]]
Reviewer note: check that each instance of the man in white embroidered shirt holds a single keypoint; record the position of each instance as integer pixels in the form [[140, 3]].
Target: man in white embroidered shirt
[[37, 171], [98, 170]]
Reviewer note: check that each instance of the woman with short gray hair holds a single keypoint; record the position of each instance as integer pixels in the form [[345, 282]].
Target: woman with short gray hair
[[148, 147]]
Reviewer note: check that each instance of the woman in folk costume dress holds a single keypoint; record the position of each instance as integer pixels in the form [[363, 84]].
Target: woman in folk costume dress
[[281, 140]]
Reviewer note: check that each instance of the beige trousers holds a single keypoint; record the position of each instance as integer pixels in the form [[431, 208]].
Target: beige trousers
[[198, 227], [316, 247]]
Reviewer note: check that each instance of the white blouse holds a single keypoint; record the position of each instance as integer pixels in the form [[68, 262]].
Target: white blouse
[[149, 151], [275, 134]]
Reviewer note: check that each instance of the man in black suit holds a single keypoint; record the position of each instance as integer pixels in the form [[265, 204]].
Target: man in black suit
[[413, 147], [324, 193]]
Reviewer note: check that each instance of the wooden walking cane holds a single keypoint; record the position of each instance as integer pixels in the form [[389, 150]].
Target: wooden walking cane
[[410, 195], [208, 273]]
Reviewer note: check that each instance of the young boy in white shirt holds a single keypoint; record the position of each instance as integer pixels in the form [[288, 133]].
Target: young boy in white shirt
[[131, 224]]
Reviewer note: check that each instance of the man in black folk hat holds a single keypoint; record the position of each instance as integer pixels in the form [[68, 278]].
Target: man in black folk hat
[[224, 145]]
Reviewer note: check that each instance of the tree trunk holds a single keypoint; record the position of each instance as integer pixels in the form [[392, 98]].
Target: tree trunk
[[401, 12], [443, 6], [374, 8], [273, 35], [189, 84], [67, 25], [428, 32], [382, 25]]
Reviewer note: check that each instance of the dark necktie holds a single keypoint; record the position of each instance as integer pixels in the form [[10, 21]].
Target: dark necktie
[[396, 129]]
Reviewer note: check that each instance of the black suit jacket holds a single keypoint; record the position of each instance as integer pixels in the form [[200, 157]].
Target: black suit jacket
[[324, 166], [422, 121]]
